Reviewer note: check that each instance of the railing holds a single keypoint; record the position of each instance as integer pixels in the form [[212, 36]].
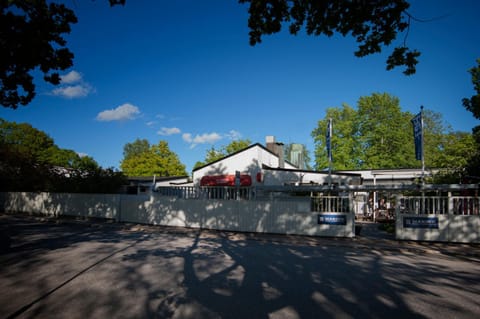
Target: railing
[[424, 205], [466, 205], [217, 192], [337, 204], [457, 205]]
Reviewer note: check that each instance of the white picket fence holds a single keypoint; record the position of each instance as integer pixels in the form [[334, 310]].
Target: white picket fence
[[290, 216]]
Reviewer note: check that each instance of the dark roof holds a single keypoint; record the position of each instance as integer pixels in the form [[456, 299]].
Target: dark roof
[[238, 152], [266, 167], [157, 179]]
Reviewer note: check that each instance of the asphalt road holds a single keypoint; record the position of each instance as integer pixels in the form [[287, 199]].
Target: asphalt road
[[98, 270]]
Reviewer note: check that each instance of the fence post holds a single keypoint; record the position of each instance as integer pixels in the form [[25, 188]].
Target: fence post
[[450, 204]]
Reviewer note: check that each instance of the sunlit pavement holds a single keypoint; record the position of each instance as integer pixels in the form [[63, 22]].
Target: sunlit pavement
[[80, 269]]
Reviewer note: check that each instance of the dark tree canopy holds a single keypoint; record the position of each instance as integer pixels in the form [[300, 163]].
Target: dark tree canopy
[[473, 104], [31, 38], [373, 23], [31, 161], [32, 34]]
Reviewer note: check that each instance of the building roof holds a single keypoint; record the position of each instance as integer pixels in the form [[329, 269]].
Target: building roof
[[241, 151], [266, 167]]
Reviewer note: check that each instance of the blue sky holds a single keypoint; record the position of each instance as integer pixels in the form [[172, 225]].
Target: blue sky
[[184, 72]]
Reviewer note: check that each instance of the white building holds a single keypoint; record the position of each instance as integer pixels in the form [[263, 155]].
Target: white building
[[265, 165]]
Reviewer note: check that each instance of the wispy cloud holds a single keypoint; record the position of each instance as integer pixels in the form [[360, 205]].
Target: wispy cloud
[[123, 112], [205, 138], [234, 135], [73, 91], [169, 131], [71, 77], [72, 86], [151, 123]]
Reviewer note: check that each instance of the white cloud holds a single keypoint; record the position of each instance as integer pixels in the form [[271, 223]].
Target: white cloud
[[123, 112], [151, 123], [82, 154], [72, 86], [73, 91], [169, 131], [205, 138], [233, 135], [71, 77], [187, 137]]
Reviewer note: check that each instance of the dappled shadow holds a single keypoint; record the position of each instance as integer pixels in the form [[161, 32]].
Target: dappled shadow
[[205, 274], [249, 279]]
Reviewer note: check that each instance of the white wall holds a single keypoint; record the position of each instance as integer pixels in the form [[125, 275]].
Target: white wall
[[249, 161], [451, 228], [276, 216]]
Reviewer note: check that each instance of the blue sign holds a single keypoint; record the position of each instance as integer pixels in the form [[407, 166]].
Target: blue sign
[[417, 122], [420, 222], [327, 219]]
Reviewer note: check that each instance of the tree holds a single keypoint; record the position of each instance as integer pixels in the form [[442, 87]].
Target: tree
[[379, 135], [157, 160], [32, 34], [31, 161], [135, 148], [373, 24], [213, 154], [36, 146], [383, 132], [343, 140], [31, 38], [472, 104]]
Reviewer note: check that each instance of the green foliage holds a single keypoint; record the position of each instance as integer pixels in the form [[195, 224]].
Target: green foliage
[[473, 104], [136, 148], [31, 38], [383, 132], [373, 24], [213, 154], [30, 161], [344, 142], [379, 135], [235, 146], [156, 160]]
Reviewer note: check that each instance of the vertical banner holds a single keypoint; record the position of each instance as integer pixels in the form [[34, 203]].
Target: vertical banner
[[417, 122], [329, 140]]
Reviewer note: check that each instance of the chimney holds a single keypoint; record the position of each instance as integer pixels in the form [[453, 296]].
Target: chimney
[[277, 149], [270, 143], [281, 156]]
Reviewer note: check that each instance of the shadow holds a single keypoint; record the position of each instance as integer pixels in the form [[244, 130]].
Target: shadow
[[75, 271], [225, 278]]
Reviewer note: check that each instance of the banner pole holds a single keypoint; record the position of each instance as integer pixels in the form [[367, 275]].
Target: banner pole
[[423, 157]]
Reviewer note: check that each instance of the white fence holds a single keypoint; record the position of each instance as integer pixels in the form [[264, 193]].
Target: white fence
[[456, 205], [293, 216], [434, 218], [438, 218]]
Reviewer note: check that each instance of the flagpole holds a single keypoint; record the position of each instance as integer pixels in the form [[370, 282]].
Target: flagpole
[[423, 157], [329, 151]]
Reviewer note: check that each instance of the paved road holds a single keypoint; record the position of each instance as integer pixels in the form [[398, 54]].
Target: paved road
[[96, 270]]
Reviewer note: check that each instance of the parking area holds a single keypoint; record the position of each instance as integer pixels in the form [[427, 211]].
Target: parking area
[[85, 269]]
